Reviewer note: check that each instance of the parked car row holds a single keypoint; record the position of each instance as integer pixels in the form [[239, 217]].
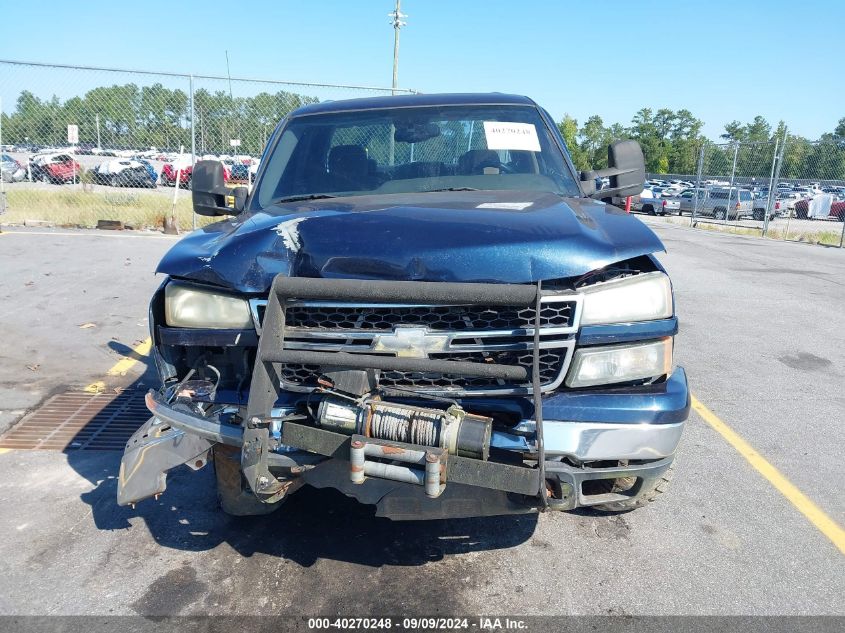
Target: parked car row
[[717, 199], [152, 153], [62, 168]]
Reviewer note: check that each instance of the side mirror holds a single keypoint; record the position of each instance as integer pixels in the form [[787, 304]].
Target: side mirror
[[626, 172], [209, 190]]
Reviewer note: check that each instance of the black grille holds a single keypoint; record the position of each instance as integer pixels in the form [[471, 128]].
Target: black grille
[[436, 318], [551, 364]]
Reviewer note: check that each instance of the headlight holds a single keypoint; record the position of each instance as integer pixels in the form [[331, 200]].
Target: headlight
[[639, 298], [620, 363], [188, 306]]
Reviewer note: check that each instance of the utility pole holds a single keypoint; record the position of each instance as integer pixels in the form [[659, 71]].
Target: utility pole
[[396, 20], [97, 119]]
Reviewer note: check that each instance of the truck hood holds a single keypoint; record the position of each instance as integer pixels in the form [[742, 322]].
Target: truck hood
[[475, 236]]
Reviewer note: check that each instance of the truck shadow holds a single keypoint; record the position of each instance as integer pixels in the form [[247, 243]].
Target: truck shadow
[[313, 524]]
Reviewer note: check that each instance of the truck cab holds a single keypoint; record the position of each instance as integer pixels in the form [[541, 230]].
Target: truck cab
[[423, 304]]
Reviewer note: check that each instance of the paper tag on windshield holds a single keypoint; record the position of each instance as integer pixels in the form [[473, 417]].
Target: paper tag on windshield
[[514, 136]]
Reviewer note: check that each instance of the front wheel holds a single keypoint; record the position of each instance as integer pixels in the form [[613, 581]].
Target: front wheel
[[233, 492]]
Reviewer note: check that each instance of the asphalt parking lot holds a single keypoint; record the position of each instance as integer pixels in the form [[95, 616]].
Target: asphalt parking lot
[[761, 339]]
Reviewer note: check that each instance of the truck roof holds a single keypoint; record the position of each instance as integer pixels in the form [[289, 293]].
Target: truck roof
[[413, 100]]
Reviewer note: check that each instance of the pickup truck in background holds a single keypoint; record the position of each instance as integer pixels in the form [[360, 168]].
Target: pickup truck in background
[[647, 202], [422, 304]]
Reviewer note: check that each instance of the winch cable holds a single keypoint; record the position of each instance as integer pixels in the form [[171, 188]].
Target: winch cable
[[538, 401]]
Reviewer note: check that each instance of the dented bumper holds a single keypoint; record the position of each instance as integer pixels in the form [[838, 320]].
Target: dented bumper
[[174, 436]]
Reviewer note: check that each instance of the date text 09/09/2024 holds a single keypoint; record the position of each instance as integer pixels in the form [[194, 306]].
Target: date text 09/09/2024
[[419, 623]]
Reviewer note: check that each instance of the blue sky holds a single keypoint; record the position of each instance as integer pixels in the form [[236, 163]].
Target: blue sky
[[722, 60]]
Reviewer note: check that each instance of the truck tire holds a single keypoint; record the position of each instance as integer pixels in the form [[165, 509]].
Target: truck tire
[[646, 496], [233, 494], [720, 214]]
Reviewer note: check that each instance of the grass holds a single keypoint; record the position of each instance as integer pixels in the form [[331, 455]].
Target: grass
[[824, 238], [69, 207]]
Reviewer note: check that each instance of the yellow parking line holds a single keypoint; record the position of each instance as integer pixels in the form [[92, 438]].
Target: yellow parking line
[[122, 366], [814, 514]]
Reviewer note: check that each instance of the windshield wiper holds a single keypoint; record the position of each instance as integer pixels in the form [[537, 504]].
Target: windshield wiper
[[305, 196], [451, 189]]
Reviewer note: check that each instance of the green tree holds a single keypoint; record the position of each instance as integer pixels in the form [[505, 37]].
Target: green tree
[[568, 127], [594, 141]]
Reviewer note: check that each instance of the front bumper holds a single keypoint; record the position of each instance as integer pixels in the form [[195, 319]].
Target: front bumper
[[641, 428]]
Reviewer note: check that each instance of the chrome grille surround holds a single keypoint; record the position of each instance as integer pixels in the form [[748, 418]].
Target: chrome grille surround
[[484, 338]]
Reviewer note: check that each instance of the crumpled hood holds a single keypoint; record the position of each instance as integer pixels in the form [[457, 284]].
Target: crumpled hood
[[483, 236]]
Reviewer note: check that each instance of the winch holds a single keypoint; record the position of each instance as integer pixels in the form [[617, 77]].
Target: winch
[[454, 430], [390, 432]]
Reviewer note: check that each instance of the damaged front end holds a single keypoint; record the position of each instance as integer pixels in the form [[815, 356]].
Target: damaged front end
[[454, 448]]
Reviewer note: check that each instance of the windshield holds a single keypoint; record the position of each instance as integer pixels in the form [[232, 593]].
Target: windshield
[[410, 150]]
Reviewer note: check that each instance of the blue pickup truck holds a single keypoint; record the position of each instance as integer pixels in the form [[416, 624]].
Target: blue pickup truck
[[422, 304]]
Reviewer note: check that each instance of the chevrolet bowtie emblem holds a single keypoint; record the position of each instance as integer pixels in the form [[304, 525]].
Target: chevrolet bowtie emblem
[[411, 342]]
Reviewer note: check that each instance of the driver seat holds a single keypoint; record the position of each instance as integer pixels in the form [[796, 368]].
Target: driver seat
[[348, 167], [474, 162]]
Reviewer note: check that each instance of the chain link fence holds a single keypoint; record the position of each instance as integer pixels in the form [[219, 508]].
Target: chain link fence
[[85, 145], [791, 190]]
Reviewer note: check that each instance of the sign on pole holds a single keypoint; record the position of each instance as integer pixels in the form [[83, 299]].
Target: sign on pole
[[235, 142], [73, 134]]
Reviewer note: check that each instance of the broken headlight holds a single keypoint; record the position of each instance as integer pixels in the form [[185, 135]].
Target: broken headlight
[[642, 297], [191, 306]]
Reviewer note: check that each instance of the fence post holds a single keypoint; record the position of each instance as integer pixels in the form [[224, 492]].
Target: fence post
[[842, 235], [697, 184], [769, 198], [777, 177], [193, 143], [2, 186], [731, 186]]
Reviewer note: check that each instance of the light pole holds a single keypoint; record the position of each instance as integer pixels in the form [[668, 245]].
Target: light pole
[[97, 119], [396, 20]]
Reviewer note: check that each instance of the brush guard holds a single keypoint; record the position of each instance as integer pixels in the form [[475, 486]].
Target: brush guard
[[426, 466]]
